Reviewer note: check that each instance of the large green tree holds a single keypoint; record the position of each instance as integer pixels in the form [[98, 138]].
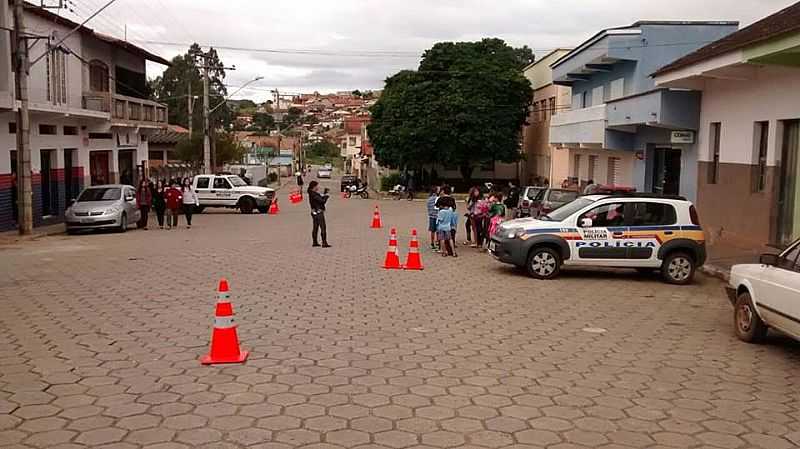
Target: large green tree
[[465, 105], [172, 88]]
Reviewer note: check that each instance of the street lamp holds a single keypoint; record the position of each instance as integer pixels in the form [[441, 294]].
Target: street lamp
[[225, 100]]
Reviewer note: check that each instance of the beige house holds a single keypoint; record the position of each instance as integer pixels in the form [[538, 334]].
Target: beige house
[[542, 160]]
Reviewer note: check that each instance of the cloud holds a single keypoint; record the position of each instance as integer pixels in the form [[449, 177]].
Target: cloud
[[340, 30]]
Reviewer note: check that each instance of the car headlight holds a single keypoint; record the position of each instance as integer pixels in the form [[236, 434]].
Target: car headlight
[[262, 194], [512, 233], [112, 210]]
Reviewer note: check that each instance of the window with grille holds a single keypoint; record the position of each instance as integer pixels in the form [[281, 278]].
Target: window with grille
[[56, 77], [576, 166], [613, 171], [592, 167], [552, 106]]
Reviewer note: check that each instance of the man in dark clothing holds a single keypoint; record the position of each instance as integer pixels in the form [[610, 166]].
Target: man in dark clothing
[[317, 202]]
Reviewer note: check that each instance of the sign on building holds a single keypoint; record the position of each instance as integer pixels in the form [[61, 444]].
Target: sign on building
[[682, 137]]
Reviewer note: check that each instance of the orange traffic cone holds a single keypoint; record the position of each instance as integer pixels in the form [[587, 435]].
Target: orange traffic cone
[[273, 207], [414, 260], [224, 339], [392, 261], [376, 219]]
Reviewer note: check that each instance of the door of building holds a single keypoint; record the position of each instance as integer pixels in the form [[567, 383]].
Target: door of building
[[49, 185], [98, 167], [127, 170], [667, 171], [789, 195]]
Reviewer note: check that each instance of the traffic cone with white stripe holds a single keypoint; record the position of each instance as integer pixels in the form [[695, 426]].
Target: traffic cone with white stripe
[[392, 261], [224, 339], [273, 207], [376, 219], [413, 260]]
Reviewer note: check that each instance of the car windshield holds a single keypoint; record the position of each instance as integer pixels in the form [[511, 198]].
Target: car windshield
[[531, 193], [562, 196], [100, 194], [236, 181], [565, 211]]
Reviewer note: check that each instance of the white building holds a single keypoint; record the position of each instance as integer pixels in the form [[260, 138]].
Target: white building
[[89, 116]]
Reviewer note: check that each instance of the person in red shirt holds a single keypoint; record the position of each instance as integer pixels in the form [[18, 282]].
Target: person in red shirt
[[174, 199]]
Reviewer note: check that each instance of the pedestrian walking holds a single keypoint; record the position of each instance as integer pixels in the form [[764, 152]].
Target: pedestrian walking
[[190, 201], [512, 200], [317, 202], [410, 187], [444, 220], [300, 183], [174, 200], [144, 199], [432, 214], [159, 202]]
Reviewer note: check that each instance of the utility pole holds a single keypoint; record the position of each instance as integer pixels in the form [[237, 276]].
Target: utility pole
[[190, 98], [206, 138], [278, 127], [24, 189]]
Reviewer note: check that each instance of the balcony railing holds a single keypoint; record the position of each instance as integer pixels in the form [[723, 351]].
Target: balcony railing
[[580, 126], [126, 108]]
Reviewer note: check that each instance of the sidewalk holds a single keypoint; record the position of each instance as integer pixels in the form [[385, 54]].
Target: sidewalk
[[12, 237], [724, 254]]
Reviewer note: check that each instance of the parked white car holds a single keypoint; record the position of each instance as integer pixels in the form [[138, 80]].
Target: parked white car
[[232, 192], [767, 295]]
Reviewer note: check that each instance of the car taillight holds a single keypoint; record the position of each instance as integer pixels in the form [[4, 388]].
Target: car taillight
[[526, 203], [694, 216]]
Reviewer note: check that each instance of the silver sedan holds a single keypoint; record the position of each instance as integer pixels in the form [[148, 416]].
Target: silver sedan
[[103, 207]]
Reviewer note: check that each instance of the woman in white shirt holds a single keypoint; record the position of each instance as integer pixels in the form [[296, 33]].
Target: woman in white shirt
[[190, 201]]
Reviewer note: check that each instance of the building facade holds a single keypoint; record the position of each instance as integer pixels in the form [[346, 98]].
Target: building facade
[[541, 163], [622, 129], [89, 119], [748, 149]]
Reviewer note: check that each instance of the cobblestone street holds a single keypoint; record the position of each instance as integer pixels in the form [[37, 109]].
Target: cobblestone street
[[102, 335]]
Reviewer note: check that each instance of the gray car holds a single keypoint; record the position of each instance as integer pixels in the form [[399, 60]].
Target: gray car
[[110, 206]]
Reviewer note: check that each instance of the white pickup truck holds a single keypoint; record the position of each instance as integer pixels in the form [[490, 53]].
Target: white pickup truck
[[232, 192]]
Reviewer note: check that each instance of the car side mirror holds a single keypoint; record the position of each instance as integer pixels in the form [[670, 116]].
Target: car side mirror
[[129, 198], [72, 201], [769, 259], [586, 222]]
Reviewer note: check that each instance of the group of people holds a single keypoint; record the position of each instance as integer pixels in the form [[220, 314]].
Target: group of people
[[482, 216], [169, 199]]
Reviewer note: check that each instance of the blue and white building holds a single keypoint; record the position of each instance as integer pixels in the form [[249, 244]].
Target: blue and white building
[[621, 128]]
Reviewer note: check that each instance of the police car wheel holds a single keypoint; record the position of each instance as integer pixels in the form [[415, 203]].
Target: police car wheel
[[678, 268], [543, 263]]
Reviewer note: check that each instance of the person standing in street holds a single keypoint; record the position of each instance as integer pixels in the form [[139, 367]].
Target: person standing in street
[[144, 199], [159, 202], [174, 200], [432, 215], [300, 183], [511, 200], [317, 202], [190, 201]]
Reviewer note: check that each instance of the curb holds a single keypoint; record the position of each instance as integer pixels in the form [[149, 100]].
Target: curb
[[716, 272], [14, 237]]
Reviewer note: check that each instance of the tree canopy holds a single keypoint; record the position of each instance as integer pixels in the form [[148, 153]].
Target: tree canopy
[[465, 105], [172, 87]]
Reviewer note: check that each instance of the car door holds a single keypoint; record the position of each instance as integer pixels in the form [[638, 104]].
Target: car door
[[650, 225], [203, 190], [601, 230], [129, 203], [778, 298], [222, 192]]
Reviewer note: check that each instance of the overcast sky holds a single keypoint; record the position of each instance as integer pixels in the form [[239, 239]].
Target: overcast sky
[[356, 44]]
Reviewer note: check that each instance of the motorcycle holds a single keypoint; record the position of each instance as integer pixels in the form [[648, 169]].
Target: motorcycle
[[360, 191]]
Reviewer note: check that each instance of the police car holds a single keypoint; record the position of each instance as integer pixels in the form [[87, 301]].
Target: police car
[[641, 231]]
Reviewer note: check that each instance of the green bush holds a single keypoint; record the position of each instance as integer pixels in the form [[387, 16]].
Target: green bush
[[388, 182]]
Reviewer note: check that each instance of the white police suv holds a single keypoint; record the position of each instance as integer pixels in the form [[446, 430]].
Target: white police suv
[[641, 231]]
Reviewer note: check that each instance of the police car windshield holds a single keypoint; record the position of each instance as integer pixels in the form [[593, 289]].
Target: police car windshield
[[565, 211]]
